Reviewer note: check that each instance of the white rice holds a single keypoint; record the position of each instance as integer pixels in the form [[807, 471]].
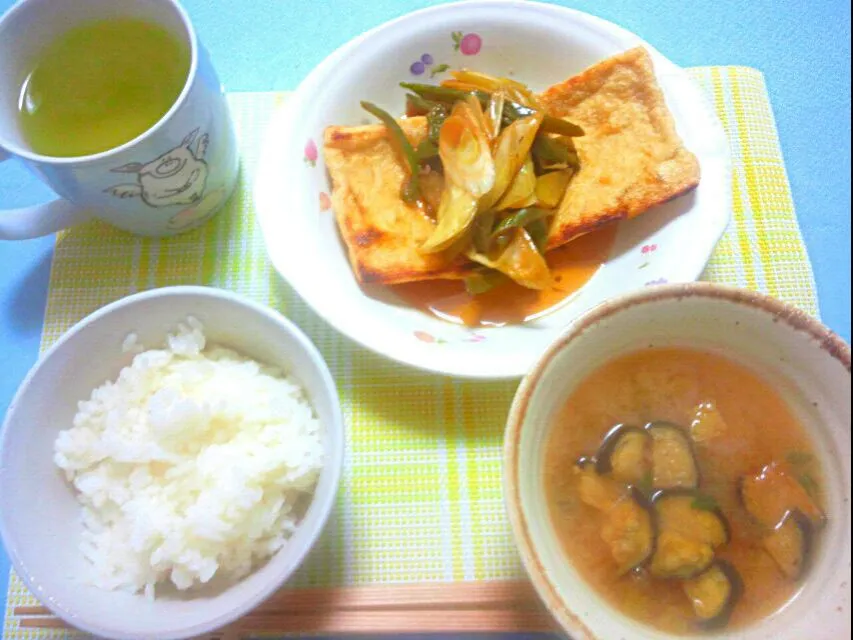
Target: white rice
[[193, 463]]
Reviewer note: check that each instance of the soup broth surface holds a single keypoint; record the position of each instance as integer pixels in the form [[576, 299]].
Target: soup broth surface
[[738, 424]]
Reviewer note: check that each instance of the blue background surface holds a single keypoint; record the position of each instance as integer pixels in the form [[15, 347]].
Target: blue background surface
[[803, 48]]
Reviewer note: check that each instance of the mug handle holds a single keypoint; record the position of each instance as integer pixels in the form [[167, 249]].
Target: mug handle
[[38, 220]]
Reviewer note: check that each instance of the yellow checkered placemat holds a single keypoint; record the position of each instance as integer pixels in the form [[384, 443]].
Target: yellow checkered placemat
[[421, 495]]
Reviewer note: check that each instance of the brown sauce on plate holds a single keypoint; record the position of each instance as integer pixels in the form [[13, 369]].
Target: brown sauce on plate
[[572, 266]]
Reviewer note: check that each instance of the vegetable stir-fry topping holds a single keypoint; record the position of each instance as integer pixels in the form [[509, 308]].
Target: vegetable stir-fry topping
[[506, 165]]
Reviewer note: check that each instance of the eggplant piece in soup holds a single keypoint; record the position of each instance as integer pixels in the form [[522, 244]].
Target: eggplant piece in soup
[[673, 460], [769, 495], [597, 491], [689, 513], [790, 544], [630, 531], [714, 594], [625, 454]]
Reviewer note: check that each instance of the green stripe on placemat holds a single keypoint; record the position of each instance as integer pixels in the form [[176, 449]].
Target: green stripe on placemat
[[421, 493]]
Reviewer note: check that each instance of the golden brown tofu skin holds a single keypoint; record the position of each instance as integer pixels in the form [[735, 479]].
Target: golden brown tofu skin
[[632, 158], [381, 231]]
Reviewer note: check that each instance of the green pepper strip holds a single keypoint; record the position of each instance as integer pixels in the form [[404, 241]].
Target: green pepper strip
[[443, 94], [512, 110], [418, 106], [565, 128], [411, 190], [521, 218], [538, 232], [554, 153], [574, 158], [426, 150], [550, 124], [482, 231], [483, 281], [549, 150], [435, 119]]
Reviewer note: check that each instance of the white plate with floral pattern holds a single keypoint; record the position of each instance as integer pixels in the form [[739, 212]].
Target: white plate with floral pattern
[[538, 44]]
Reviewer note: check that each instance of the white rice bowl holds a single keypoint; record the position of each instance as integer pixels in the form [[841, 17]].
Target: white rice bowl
[[195, 462]]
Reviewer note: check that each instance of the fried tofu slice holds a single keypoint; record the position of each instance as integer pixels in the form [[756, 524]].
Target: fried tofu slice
[[632, 158], [383, 233]]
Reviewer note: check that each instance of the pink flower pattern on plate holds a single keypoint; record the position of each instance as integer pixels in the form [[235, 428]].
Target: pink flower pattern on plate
[[427, 63], [424, 336], [654, 283], [647, 251], [468, 44], [311, 153], [420, 66], [325, 201]]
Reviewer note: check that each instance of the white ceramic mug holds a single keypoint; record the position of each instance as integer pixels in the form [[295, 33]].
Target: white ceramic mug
[[169, 179]]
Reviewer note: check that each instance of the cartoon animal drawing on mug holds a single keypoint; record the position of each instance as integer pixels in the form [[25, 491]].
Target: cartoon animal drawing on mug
[[197, 213], [176, 177]]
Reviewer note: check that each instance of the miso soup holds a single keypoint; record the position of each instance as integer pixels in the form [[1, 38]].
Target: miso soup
[[684, 490]]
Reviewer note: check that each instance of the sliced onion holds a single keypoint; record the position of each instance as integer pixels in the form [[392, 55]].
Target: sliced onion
[[520, 260], [463, 146]]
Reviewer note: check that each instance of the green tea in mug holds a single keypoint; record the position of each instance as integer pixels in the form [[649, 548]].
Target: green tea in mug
[[100, 85]]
